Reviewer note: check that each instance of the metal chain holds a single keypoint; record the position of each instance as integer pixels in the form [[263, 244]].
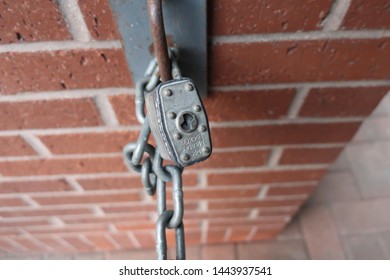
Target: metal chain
[[154, 174]]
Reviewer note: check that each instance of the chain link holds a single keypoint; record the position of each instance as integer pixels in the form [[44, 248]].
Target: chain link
[[154, 174]]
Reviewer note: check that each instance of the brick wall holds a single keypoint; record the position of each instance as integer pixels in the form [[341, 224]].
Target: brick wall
[[290, 84]]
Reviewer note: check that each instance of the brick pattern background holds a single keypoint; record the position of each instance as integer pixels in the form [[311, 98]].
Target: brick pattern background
[[290, 84]]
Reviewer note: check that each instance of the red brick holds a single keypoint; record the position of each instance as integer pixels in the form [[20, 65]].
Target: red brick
[[239, 234], [59, 70], [62, 166], [290, 190], [192, 238], [247, 223], [145, 225], [98, 17], [124, 108], [248, 105], [230, 17], [10, 231], [100, 242], [78, 243], [22, 21], [262, 235], [27, 223], [30, 245], [309, 155], [49, 114], [216, 235], [14, 146], [45, 212], [144, 207], [124, 183], [6, 202], [145, 239], [235, 159], [77, 229], [86, 198], [330, 60], [218, 205], [111, 183], [241, 213], [122, 240], [34, 186], [219, 252], [283, 134], [342, 102], [219, 193], [7, 247], [106, 219], [84, 143], [264, 177], [373, 14], [55, 244]]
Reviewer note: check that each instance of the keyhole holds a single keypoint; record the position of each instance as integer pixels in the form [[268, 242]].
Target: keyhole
[[187, 122]]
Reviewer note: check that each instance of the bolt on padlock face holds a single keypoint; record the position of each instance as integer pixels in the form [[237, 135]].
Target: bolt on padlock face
[[179, 122]]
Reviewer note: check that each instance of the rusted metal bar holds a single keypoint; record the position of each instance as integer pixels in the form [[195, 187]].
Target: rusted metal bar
[[156, 21]]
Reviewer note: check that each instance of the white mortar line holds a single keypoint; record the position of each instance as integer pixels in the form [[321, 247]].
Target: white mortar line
[[202, 178], [15, 244], [66, 94], [133, 239], [297, 102], [285, 122], [72, 182], [336, 16], [105, 129], [203, 206], [312, 35], [90, 92], [112, 228], [251, 233], [58, 46], [61, 131], [74, 20], [30, 201], [64, 156], [275, 155], [106, 111], [267, 147], [112, 241], [228, 234], [263, 193], [55, 221], [204, 231], [98, 211], [328, 84], [208, 171], [253, 214], [36, 144]]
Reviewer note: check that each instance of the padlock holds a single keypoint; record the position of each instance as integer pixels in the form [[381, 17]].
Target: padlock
[[179, 122]]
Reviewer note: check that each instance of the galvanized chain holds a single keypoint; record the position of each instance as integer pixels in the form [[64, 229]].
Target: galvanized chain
[[154, 174]]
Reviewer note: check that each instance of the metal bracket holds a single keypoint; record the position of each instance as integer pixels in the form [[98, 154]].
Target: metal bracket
[[185, 26]]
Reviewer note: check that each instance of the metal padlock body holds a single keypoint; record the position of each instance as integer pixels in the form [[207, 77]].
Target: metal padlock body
[[179, 122]]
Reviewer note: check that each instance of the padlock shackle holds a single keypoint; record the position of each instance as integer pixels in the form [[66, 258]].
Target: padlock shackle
[[156, 21]]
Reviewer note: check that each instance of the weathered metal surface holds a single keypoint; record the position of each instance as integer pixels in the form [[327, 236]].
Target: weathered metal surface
[[186, 28]]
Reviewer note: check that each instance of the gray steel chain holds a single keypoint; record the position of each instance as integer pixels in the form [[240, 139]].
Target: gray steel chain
[[154, 174]]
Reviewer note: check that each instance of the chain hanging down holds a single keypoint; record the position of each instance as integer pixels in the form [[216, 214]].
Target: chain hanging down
[[153, 174], [177, 119]]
